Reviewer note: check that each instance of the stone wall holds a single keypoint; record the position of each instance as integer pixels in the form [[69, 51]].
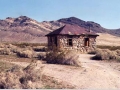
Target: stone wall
[[77, 41]]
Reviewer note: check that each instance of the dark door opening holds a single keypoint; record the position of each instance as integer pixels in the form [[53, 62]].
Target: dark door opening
[[86, 41], [50, 38], [70, 42], [55, 42]]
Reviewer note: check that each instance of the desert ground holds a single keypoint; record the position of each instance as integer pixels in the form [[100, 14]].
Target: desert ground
[[91, 75]]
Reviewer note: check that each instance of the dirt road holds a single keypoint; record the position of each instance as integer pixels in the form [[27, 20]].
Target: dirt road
[[92, 75]]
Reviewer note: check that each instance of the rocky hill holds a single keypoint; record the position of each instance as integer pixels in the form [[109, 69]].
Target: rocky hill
[[90, 24], [73, 20], [25, 29]]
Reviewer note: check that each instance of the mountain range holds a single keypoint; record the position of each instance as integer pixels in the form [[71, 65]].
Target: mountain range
[[25, 29]]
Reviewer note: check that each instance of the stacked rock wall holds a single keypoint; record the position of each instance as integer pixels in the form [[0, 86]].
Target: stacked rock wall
[[78, 43]]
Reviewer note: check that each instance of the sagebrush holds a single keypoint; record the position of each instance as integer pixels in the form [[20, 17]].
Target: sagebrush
[[106, 54], [62, 57]]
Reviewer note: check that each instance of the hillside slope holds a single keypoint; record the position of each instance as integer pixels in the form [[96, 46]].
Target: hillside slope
[[25, 29], [90, 24], [108, 39]]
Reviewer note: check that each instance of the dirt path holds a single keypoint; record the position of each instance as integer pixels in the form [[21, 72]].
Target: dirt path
[[98, 74], [92, 75]]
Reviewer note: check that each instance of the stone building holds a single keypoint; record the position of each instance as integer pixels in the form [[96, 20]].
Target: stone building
[[73, 37]]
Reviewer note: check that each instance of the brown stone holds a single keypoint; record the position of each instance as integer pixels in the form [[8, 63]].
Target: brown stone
[[83, 42]]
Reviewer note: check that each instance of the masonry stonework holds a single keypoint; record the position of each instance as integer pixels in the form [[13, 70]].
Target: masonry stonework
[[78, 43], [73, 37]]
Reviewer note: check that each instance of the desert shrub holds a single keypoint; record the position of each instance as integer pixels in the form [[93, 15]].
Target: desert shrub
[[2, 45], [9, 45], [25, 54], [21, 78], [108, 47], [105, 54], [23, 45], [14, 69], [5, 51], [4, 66], [9, 80], [92, 52], [118, 52], [71, 58], [61, 57], [9, 49], [55, 57], [53, 48], [15, 50], [39, 48], [41, 55]]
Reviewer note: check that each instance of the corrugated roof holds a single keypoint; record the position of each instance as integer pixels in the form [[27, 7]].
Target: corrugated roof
[[71, 30]]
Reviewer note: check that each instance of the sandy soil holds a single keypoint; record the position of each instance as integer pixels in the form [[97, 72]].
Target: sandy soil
[[92, 75], [107, 39]]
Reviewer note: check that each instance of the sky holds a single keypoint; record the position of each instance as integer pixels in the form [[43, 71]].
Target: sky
[[104, 12]]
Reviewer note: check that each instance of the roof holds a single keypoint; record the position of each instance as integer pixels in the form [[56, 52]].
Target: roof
[[71, 30]]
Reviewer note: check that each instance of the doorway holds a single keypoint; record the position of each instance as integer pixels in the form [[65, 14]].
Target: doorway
[[55, 42], [70, 42], [86, 43]]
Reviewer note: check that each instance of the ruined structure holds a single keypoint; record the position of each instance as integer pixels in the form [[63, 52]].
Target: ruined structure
[[73, 37]]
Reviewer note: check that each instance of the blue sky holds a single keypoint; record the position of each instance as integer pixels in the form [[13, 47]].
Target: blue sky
[[104, 12]]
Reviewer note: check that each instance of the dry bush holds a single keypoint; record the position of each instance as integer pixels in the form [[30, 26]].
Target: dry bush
[[55, 57], [5, 51], [41, 55], [21, 45], [62, 57], [105, 54], [32, 77], [2, 45], [9, 49], [39, 48], [13, 49], [9, 46], [92, 52], [118, 52], [51, 83], [25, 53], [21, 78], [28, 48], [108, 47], [10, 80], [24, 45], [71, 59], [118, 55], [22, 52], [5, 66]]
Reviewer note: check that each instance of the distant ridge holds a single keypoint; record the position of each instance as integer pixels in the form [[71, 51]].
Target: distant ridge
[[25, 29]]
